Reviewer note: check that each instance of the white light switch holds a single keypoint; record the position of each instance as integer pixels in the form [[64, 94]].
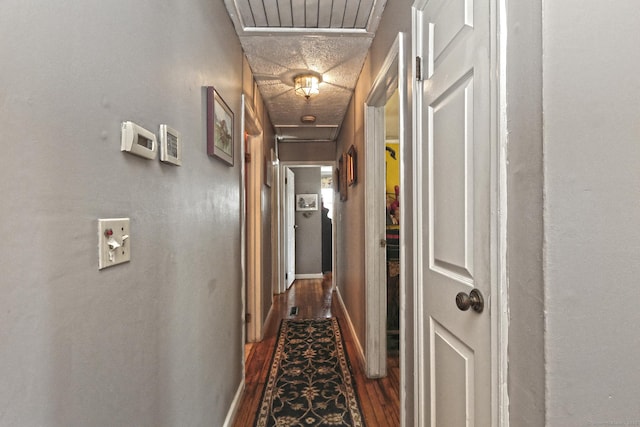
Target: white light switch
[[114, 243]]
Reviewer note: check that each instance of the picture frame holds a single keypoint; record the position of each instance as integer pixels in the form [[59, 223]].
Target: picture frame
[[342, 180], [306, 202], [220, 127], [269, 166], [268, 171], [352, 166], [170, 146]]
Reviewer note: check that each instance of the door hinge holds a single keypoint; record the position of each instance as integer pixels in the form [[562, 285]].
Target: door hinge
[[418, 68], [286, 275], [247, 317], [247, 157], [286, 181]]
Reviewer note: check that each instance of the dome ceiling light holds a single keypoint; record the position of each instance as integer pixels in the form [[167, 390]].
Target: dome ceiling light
[[307, 85]]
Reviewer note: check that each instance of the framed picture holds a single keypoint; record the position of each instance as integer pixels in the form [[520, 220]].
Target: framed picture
[[170, 146], [306, 202], [352, 166], [342, 180], [268, 171], [269, 165], [219, 127]]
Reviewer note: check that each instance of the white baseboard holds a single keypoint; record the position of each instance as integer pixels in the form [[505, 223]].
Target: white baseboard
[[309, 276], [235, 405], [270, 314], [356, 341]]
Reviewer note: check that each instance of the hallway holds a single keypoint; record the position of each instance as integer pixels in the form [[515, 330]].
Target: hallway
[[379, 398]]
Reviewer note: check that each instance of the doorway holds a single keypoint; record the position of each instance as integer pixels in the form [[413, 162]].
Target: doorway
[[294, 221], [253, 173], [389, 85]]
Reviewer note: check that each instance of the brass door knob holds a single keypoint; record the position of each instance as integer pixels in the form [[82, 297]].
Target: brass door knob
[[473, 300]]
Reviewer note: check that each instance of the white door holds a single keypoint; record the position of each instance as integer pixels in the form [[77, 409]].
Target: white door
[[290, 226], [454, 199]]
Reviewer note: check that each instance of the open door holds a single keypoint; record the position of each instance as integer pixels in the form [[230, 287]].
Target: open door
[[290, 227], [456, 188]]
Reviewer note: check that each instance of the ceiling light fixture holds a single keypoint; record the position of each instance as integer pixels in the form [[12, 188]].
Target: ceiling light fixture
[[306, 85], [309, 118]]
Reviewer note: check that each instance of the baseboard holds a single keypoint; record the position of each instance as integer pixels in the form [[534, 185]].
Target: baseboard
[[235, 405], [309, 276], [356, 341], [267, 320]]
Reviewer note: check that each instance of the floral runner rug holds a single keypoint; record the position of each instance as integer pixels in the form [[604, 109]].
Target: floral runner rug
[[310, 381]]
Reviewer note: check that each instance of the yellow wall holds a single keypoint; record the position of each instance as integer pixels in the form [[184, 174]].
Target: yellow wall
[[393, 167]]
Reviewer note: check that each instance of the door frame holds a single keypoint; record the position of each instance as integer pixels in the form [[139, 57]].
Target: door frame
[[392, 76], [252, 226], [281, 250], [498, 304]]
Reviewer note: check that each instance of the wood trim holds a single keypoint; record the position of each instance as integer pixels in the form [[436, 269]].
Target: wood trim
[[309, 276], [407, 343], [352, 330], [375, 257], [235, 405], [419, 382], [243, 234]]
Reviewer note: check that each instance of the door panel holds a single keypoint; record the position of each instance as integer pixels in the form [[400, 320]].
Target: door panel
[[451, 180], [290, 218], [455, 128], [456, 363], [458, 16]]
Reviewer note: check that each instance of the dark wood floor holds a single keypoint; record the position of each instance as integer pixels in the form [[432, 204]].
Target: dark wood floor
[[379, 398]]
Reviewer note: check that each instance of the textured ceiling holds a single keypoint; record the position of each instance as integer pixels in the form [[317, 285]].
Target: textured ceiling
[[284, 38]]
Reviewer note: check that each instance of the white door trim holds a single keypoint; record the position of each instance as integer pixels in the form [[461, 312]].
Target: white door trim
[[419, 381], [501, 404], [392, 76], [243, 240]]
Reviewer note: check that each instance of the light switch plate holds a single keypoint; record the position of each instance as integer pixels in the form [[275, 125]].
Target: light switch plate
[[114, 242]]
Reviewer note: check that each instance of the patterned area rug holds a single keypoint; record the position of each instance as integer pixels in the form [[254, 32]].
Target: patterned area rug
[[310, 382]]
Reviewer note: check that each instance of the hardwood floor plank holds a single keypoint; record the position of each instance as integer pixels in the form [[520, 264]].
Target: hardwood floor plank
[[379, 398]]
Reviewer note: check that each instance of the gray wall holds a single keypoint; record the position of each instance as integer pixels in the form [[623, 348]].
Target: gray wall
[[306, 151], [157, 341], [592, 211], [526, 375], [309, 232], [349, 265]]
